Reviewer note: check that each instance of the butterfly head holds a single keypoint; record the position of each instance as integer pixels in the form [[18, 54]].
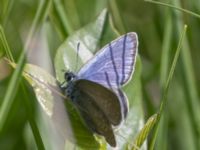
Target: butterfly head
[[69, 76]]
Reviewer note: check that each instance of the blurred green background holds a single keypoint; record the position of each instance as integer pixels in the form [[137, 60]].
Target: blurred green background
[[158, 28]]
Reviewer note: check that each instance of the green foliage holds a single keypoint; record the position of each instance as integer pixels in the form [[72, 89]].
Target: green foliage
[[33, 114]]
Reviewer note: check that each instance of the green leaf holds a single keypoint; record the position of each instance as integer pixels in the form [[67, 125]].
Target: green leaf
[[40, 80], [174, 7]]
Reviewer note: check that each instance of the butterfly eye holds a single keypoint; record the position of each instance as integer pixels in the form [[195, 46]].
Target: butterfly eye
[[69, 76]]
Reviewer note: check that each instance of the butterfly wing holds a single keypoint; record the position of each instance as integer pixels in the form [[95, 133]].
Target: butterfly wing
[[104, 98], [113, 65], [100, 124], [98, 106], [123, 101]]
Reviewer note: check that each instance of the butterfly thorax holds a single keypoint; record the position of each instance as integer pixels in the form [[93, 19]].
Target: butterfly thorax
[[70, 77]]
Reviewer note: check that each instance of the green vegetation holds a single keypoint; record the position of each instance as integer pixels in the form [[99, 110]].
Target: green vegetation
[[38, 42]]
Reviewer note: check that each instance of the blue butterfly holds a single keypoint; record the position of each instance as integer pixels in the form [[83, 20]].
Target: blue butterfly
[[96, 89]]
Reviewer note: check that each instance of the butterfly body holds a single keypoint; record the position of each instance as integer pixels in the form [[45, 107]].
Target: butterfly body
[[96, 89]]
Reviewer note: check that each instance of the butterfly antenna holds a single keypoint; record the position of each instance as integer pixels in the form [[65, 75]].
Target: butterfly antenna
[[78, 45]]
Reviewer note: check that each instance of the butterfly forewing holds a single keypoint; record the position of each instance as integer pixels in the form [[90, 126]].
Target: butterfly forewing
[[113, 65], [104, 98]]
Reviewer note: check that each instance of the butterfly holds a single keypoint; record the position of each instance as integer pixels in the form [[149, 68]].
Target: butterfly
[[96, 89]]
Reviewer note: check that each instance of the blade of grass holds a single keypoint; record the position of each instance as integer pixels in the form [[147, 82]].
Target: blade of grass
[[9, 96], [8, 100], [31, 119], [68, 29], [5, 44], [165, 49], [116, 16], [163, 130], [72, 11], [190, 82], [6, 12], [163, 133], [174, 7], [99, 5], [16, 77], [166, 88]]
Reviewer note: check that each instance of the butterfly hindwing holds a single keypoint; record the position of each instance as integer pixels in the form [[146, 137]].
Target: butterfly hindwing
[[123, 101], [103, 97], [98, 106]]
